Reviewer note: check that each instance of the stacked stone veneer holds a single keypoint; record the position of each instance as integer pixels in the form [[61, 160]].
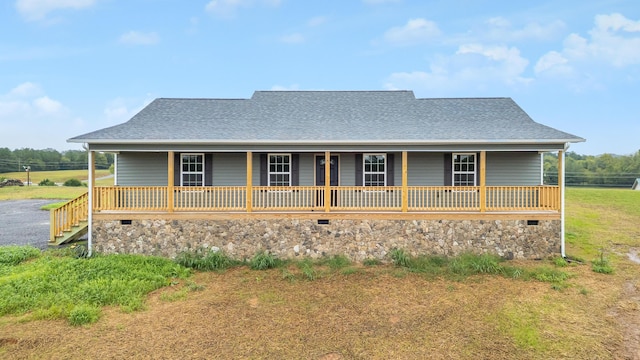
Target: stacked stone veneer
[[357, 239]]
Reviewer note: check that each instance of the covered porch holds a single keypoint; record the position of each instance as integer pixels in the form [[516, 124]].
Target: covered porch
[[327, 197], [327, 201]]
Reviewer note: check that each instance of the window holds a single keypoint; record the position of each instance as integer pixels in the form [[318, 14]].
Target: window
[[374, 169], [192, 170], [279, 170], [464, 169]]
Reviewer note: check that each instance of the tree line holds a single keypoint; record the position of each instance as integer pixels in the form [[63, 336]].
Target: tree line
[[606, 170], [49, 160]]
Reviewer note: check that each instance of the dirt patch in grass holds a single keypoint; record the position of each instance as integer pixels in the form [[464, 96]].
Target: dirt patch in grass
[[374, 312]]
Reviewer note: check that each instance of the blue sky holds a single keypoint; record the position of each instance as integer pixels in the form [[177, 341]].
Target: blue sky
[[68, 67]]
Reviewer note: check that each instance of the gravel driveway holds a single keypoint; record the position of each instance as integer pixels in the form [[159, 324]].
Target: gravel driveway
[[23, 223]]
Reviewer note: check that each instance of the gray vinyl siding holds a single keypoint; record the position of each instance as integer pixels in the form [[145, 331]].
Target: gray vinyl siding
[[255, 169], [348, 169], [513, 168], [397, 169], [142, 169], [229, 169], [306, 170], [424, 169]]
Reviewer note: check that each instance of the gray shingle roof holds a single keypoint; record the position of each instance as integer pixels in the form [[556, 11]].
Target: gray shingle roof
[[329, 116]]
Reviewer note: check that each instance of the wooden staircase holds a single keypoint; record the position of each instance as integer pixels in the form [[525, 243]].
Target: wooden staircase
[[69, 222]]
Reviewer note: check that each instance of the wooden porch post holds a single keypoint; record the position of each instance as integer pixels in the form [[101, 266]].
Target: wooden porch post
[[92, 183], [170, 182], [405, 188], [560, 173], [249, 189], [327, 181], [483, 181]]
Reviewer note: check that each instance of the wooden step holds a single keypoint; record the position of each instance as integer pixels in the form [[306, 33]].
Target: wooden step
[[74, 234]]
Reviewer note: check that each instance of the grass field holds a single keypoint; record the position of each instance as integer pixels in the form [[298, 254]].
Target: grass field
[[55, 176], [339, 310], [50, 192]]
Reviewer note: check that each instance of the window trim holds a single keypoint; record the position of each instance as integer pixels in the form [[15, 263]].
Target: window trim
[[182, 172], [269, 172], [454, 172], [365, 172]]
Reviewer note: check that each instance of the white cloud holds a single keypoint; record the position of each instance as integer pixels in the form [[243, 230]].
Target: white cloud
[[473, 67], [552, 60], [508, 60], [501, 29], [614, 41], [28, 99], [33, 119], [616, 22], [38, 9], [139, 38], [48, 106], [25, 89], [413, 32], [295, 38], [228, 8], [120, 109]]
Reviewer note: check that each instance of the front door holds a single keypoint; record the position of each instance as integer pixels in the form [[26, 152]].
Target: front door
[[320, 175]]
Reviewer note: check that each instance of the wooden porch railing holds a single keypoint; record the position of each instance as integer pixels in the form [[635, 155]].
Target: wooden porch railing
[[444, 198], [513, 198], [71, 214], [343, 198]]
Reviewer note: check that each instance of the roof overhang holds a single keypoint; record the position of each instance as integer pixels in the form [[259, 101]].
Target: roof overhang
[[321, 146]]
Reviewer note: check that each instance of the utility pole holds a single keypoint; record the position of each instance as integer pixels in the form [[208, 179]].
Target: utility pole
[[27, 168]]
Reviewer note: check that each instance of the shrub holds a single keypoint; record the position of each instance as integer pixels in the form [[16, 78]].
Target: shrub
[[205, 261], [371, 262], [84, 314], [46, 182], [73, 182], [400, 258], [601, 265], [262, 260], [338, 262], [560, 261], [308, 271], [469, 264]]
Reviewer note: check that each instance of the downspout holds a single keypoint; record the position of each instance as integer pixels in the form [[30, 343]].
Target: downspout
[[562, 237], [90, 204]]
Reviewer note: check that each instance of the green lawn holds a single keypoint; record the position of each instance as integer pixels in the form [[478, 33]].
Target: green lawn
[[51, 192], [56, 176], [601, 219]]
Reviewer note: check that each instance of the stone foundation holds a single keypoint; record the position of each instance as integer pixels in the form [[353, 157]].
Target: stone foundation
[[357, 239]]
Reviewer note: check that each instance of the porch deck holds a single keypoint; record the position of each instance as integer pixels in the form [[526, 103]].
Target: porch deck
[[407, 202]]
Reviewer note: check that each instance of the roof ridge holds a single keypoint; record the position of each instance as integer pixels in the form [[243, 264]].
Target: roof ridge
[[179, 98], [333, 91], [466, 98]]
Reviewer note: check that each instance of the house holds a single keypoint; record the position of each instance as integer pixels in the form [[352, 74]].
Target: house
[[313, 173], [636, 184]]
